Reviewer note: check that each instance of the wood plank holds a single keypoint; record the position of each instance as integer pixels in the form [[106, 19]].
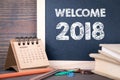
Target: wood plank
[[17, 18]]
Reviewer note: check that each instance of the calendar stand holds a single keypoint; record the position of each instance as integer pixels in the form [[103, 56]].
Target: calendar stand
[[11, 61], [16, 52]]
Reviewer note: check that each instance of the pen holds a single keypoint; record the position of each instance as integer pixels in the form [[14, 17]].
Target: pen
[[64, 73]]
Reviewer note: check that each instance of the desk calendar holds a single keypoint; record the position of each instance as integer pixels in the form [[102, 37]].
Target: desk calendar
[[26, 53]]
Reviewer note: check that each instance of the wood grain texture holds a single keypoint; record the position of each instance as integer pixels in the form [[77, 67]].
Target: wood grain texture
[[17, 18]]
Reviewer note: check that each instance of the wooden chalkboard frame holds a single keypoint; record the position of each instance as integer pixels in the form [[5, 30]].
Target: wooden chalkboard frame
[[41, 34]]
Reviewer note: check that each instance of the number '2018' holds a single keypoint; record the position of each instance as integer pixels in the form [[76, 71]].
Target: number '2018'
[[97, 33]]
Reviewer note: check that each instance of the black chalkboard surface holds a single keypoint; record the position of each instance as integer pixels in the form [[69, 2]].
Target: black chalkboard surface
[[75, 28]]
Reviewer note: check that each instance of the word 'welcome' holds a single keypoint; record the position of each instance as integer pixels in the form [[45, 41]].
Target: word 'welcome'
[[69, 12]]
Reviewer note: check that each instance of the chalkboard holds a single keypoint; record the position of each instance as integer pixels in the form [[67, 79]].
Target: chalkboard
[[75, 28]]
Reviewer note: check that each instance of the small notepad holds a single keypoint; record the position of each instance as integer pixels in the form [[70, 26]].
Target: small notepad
[[26, 53]]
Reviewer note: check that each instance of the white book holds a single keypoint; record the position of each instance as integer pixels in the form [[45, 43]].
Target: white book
[[109, 56], [103, 57], [106, 67], [111, 50]]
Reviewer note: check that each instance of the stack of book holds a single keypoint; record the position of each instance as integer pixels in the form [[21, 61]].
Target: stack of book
[[107, 61]]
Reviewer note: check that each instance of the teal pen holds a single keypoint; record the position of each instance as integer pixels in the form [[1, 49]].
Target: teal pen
[[64, 73]]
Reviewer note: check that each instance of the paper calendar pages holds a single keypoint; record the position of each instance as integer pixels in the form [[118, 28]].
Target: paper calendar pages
[[25, 54]]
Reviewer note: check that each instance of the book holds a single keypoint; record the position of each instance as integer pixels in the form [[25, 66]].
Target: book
[[111, 50], [106, 66], [109, 56], [103, 57]]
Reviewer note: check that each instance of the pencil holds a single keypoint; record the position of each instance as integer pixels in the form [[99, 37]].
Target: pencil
[[26, 72], [43, 76]]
